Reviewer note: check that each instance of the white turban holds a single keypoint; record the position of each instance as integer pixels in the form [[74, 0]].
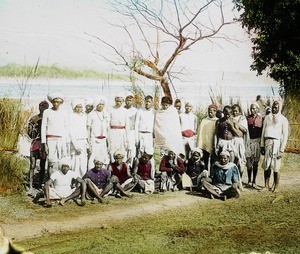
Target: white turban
[[89, 101], [64, 161], [255, 103], [55, 95], [76, 102], [98, 159], [118, 152], [198, 150], [225, 153], [99, 100]]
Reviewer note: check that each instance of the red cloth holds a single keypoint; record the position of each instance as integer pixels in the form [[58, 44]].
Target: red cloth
[[144, 171], [121, 174], [188, 133]]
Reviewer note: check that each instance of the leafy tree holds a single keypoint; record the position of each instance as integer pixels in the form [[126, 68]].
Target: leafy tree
[[274, 27]]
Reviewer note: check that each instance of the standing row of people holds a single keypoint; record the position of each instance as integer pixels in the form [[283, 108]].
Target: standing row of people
[[130, 133]]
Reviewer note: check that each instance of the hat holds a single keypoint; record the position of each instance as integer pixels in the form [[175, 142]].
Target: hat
[[76, 102], [99, 100], [214, 105], [118, 152], [225, 153], [255, 104], [64, 161], [98, 159], [55, 95], [89, 101], [198, 150]]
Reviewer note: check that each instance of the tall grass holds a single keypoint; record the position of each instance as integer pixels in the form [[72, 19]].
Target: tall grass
[[54, 71], [12, 121]]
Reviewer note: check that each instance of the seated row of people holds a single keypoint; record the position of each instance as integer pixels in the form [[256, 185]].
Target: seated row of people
[[118, 179]]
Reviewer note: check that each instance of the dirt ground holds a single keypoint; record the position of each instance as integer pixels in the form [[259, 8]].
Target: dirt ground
[[105, 216]]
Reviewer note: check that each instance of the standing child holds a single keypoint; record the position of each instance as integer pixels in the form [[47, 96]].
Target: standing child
[[36, 152]]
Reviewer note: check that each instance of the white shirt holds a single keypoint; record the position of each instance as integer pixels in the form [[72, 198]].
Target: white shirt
[[131, 113], [54, 122], [98, 122], [188, 121], [118, 117], [276, 128], [62, 182]]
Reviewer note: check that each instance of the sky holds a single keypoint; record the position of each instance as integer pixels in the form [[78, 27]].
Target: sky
[[58, 32]]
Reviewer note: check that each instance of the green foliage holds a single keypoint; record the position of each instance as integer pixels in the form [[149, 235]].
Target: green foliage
[[53, 71], [12, 172], [276, 39]]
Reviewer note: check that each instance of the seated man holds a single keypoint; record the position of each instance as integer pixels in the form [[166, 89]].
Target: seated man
[[171, 170], [195, 167], [59, 186], [100, 182], [224, 180], [121, 170], [143, 172]]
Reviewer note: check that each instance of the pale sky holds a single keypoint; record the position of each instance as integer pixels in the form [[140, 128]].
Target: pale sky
[[55, 31]]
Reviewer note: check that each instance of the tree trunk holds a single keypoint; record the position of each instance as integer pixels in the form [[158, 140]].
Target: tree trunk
[[166, 89]]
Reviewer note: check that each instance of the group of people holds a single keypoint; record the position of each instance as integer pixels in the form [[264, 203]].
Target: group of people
[[94, 151]]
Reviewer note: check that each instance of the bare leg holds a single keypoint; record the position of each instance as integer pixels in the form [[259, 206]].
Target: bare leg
[[31, 173], [75, 194], [276, 181], [93, 191], [42, 171], [209, 187], [267, 175]]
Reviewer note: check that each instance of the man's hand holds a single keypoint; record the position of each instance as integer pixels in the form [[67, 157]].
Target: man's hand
[[262, 151]]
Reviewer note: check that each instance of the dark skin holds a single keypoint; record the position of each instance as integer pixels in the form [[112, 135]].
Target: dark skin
[[64, 169]]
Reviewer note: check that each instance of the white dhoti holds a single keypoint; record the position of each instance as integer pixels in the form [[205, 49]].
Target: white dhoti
[[60, 193], [79, 161], [99, 150], [271, 152], [57, 149], [117, 141]]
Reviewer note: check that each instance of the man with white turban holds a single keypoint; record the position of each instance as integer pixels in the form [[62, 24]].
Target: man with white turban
[[54, 131], [273, 142], [189, 125], [79, 147], [131, 112], [59, 186], [119, 127], [224, 181], [98, 125]]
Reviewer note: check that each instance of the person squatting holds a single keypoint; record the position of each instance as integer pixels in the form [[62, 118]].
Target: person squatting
[[94, 150]]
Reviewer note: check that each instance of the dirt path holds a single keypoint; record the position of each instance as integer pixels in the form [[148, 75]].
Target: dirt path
[[105, 218]]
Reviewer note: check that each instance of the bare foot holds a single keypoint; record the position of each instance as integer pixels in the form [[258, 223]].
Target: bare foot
[[48, 204], [103, 201], [265, 189], [62, 202]]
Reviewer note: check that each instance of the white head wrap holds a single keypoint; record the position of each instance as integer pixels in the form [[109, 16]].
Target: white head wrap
[[76, 102], [118, 152], [55, 95], [64, 161], [198, 150], [119, 95], [99, 100], [98, 159], [255, 103], [89, 101], [225, 153]]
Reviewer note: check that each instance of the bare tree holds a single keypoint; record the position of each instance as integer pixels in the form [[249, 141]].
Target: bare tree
[[159, 31]]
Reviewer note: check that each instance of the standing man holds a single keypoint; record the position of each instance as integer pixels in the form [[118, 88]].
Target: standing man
[[189, 125], [131, 112], [273, 142], [118, 128], [206, 134], [79, 147], [98, 124], [54, 131], [255, 124], [36, 152], [144, 125]]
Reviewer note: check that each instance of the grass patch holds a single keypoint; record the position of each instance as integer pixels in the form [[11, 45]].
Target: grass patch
[[252, 223], [54, 71]]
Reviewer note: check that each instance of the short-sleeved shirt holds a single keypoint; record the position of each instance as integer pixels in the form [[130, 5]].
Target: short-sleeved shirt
[[62, 182]]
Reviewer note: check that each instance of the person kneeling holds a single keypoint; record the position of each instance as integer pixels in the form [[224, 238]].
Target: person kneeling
[[58, 187], [224, 180]]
